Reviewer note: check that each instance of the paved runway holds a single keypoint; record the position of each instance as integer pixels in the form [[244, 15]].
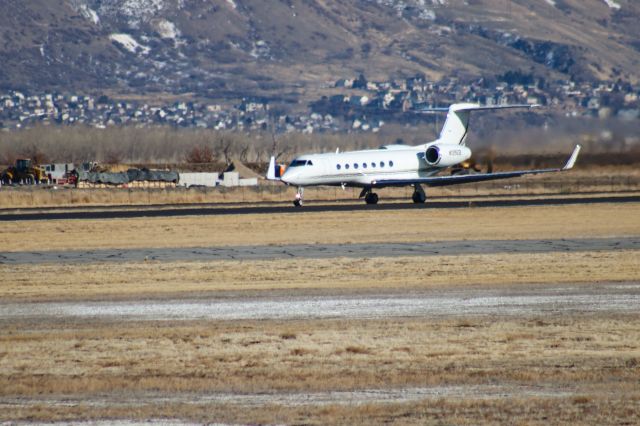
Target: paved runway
[[133, 212], [322, 251]]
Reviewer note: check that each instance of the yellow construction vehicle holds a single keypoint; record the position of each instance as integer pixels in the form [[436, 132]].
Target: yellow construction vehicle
[[24, 172]]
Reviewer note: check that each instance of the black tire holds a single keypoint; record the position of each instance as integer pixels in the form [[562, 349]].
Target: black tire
[[418, 198], [297, 203], [371, 198]]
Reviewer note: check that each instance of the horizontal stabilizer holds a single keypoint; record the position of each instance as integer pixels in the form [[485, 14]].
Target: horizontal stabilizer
[[476, 107]]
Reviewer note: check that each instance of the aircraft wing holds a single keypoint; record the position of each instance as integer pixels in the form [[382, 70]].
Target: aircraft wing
[[478, 177]]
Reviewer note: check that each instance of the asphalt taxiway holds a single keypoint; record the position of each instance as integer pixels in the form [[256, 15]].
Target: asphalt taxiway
[[321, 251]]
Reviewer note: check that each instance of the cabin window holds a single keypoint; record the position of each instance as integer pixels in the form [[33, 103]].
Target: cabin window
[[390, 163], [382, 164], [346, 166], [338, 166], [298, 163], [355, 165], [373, 164], [364, 165]]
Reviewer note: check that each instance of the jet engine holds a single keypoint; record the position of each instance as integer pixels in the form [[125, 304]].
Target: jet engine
[[446, 155]]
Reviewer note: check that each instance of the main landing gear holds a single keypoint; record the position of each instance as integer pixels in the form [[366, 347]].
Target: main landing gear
[[299, 196], [370, 197], [418, 196]]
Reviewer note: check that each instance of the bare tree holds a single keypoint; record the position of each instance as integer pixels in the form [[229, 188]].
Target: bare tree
[[200, 154]]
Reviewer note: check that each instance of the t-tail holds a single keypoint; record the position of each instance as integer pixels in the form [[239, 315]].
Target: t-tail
[[456, 125]]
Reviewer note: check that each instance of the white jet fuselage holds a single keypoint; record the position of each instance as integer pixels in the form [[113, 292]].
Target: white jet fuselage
[[359, 168]]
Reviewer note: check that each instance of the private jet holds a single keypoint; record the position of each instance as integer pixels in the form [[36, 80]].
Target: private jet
[[400, 165]]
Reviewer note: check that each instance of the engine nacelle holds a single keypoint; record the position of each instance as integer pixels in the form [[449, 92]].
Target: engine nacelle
[[446, 155]]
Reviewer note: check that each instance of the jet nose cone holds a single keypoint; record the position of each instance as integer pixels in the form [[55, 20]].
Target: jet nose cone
[[289, 177]]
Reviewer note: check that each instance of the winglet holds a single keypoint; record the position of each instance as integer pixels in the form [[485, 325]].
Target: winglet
[[271, 172], [573, 158]]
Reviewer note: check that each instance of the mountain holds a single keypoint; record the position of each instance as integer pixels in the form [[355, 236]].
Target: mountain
[[295, 49]]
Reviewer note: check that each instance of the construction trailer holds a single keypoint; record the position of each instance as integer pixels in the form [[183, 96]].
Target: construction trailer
[[59, 173], [210, 180]]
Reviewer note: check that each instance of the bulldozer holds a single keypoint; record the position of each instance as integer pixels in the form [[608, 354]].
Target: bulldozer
[[24, 172]]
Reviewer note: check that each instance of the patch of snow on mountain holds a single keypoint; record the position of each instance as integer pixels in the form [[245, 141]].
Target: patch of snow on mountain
[[551, 2], [90, 14], [129, 43], [421, 9], [167, 29], [233, 4], [81, 7], [134, 11], [612, 4], [260, 50]]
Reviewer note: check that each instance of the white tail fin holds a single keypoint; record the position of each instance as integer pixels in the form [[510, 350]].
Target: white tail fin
[[271, 172], [457, 124]]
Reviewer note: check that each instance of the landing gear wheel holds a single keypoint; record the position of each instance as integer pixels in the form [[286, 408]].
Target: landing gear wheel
[[418, 196], [299, 196], [371, 198]]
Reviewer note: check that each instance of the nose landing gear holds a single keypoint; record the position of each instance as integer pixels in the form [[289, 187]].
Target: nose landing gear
[[298, 201]]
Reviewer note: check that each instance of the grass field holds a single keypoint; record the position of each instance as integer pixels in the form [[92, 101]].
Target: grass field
[[152, 279], [577, 366], [559, 368], [601, 220]]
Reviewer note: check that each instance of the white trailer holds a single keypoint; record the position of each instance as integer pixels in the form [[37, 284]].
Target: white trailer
[[198, 179]]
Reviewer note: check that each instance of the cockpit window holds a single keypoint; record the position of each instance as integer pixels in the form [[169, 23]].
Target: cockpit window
[[298, 163]]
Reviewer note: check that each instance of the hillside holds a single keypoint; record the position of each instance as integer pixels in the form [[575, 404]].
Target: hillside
[[295, 49]]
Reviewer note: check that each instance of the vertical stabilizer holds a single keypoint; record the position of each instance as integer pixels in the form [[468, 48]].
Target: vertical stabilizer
[[456, 126]]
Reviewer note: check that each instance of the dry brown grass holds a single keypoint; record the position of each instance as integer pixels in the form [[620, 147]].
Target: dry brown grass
[[602, 181], [595, 357], [599, 410], [576, 221], [154, 279]]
